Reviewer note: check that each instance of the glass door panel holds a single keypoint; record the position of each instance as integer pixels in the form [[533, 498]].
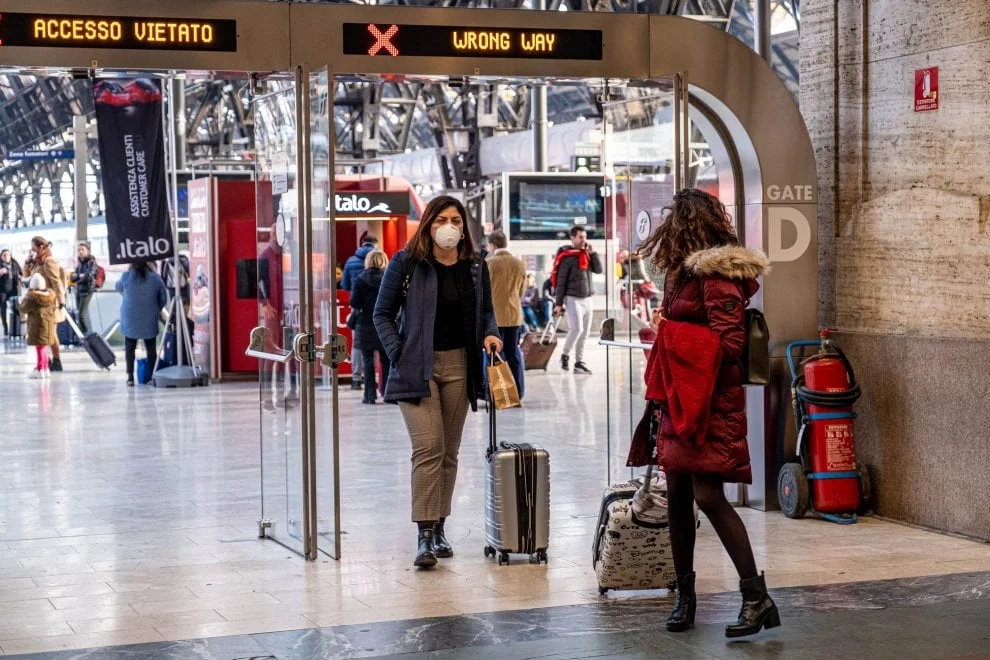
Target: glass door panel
[[281, 426], [325, 311], [643, 153]]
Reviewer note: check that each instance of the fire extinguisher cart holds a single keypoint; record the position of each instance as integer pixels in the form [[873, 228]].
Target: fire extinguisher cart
[[824, 477]]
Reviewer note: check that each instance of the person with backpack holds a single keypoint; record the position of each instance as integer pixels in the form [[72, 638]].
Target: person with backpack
[[10, 287], [87, 278], [572, 270]]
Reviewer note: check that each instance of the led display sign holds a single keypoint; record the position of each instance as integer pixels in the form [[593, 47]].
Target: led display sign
[[121, 32], [389, 40]]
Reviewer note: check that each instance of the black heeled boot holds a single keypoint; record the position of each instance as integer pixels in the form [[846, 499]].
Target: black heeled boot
[[682, 618], [426, 554], [758, 609], [440, 543]]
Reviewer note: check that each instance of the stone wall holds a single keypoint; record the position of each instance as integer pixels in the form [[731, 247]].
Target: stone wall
[[904, 241]]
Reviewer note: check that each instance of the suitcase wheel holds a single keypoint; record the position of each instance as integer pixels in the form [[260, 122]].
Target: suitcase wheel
[[489, 551], [540, 557], [602, 591], [503, 558]]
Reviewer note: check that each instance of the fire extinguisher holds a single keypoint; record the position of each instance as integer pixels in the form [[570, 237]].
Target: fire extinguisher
[[823, 394]]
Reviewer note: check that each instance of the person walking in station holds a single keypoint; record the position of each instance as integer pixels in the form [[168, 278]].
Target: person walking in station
[[353, 267], [144, 297], [531, 304], [86, 279], [10, 288], [710, 279], [366, 288], [42, 261], [508, 275], [440, 284], [39, 311], [573, 290]]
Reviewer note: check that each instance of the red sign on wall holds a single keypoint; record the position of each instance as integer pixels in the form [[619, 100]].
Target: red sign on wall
[[926, 89]]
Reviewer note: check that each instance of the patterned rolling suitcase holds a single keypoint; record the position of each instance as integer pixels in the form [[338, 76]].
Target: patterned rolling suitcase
[[538, 348], [629, 553], [517, 499]]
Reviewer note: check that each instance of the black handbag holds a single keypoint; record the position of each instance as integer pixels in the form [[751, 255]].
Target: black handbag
[[756, 357]]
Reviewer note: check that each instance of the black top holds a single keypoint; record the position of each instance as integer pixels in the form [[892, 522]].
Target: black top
[[449, 332]]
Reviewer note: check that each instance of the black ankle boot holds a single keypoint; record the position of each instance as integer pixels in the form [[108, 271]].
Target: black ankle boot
[[682, 618], [426, 555], [440, 543], [758, 609]]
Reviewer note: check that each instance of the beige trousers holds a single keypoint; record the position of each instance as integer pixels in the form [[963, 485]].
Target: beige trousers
[[435, 425]]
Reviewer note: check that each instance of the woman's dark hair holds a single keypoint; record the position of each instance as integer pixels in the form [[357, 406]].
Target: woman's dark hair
[[694, 221], [420, 246], [141, 269]]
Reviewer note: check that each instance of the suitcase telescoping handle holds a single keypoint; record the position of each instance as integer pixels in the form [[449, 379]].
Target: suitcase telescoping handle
[[550, 331], [490, 405]]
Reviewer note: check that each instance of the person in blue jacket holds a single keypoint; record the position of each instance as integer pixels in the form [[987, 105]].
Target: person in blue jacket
[[144, 297], [441, 286], [353, 268]]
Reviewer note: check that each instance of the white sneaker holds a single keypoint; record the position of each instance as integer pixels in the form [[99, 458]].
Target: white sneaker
[[37, 374]]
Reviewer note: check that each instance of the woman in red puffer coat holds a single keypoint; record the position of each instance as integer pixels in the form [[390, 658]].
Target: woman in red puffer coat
[[710, 279]]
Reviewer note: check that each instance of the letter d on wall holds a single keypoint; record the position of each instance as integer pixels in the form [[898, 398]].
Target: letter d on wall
[[776, 216]]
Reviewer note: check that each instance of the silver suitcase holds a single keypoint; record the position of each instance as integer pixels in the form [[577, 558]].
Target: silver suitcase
[[517, 499]]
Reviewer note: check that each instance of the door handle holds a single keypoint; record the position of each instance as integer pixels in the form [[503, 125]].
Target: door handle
[[256, 347], [330, 354]]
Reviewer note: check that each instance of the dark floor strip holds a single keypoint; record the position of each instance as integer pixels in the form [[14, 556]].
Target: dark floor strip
[[926, 617]]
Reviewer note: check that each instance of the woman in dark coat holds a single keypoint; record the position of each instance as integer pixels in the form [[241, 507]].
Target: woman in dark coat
[[10, 286], [710, 280], [363, 298], [440, 284]]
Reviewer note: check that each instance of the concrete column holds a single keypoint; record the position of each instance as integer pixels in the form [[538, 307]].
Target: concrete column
[[761, 29], [81, 204]]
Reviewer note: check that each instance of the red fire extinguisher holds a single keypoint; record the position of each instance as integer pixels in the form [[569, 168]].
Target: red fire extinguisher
[[833, 476], [823, 396]]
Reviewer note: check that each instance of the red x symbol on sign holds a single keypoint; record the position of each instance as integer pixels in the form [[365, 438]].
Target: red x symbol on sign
[[383, 40]]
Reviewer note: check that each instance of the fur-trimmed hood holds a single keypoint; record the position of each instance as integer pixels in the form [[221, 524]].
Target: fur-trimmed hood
[[733, 262]]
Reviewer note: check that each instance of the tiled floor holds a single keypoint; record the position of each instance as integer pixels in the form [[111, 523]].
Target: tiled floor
[[129, 516]]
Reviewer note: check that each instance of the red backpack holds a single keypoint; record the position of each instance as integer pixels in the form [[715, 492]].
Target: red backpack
[[100, 277]]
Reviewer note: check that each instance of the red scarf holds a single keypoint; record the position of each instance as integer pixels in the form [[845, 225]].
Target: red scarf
[[583, 262]]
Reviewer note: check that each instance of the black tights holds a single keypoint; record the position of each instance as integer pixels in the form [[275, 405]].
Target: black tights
[[130, 347], [683, 490]]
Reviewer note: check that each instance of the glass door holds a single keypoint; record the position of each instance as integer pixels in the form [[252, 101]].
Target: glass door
[[282, 423], [645, 155]]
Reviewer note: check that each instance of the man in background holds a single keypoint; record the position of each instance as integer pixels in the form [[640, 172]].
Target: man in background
[[572, 270], [508, 275], [353, 267]]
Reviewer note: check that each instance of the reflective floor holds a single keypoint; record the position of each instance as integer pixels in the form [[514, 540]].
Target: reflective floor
[[129, 516]]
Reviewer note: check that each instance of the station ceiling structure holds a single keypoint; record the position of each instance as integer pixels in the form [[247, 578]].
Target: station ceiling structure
[[37, 113]]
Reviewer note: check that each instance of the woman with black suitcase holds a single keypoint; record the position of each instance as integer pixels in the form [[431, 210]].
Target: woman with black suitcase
[[709, 281], [441, 287]]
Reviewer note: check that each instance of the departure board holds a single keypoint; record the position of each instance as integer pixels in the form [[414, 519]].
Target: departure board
[[119, 32], [391, 40]]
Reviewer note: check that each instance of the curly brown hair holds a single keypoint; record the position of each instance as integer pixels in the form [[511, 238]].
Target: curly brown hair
[[694, 221]]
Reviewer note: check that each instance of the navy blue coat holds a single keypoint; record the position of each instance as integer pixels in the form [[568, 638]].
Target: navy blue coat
[[354, 266], [363, 297], [409, 346]]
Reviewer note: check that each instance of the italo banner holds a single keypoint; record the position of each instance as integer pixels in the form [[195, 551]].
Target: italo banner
[[132, 164]]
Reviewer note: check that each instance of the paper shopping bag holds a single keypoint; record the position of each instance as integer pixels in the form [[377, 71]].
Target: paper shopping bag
[[502, 385]]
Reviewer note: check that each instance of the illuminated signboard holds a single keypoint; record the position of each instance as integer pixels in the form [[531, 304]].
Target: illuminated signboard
[[126, 32], [387, 40]]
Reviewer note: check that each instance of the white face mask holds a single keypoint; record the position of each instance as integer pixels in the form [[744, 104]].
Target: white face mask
[[447, 237]]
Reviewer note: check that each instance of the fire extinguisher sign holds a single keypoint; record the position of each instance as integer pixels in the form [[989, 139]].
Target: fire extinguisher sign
[[840, 452], [926, 89]]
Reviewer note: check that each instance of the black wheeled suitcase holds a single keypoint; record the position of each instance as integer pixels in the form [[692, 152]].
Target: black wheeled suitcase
[[96, 346], [68, 333], [517, 498]]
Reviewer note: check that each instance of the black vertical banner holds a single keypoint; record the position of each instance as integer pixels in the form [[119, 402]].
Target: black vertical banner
[[132, 164]]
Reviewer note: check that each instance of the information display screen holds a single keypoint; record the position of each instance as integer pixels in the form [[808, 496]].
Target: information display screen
[[119, 32], [448, 41], [546, 210]]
